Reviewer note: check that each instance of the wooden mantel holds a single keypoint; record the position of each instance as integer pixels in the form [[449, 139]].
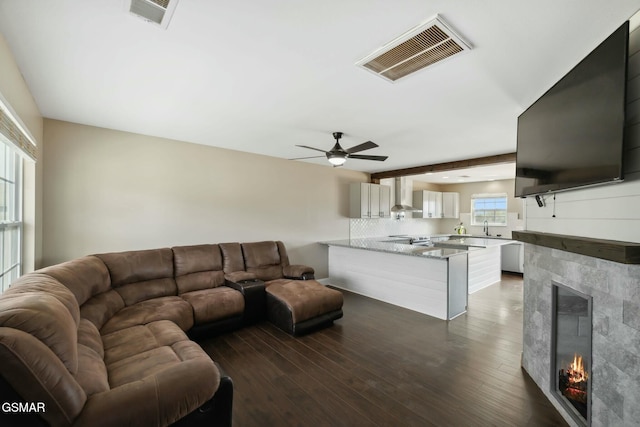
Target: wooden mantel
[[612, 250]]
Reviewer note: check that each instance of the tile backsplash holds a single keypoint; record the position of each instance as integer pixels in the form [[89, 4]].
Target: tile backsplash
[[513, 223], [362, 228]]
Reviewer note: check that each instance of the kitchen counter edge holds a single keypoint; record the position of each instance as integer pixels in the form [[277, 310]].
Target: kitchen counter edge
[[377, 245]]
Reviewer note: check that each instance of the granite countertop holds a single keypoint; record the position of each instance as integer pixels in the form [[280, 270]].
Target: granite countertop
[[382, 244], [473, 241], [444, 248]]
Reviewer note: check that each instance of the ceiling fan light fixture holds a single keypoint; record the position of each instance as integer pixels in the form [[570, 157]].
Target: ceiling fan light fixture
[[336, 160], [338, 155]]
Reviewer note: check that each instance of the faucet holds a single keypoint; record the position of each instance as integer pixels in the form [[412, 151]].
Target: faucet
[[485, 229]]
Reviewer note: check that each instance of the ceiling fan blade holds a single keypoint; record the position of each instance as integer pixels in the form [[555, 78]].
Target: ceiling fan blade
[[361, 157], [310, 148], [312, 157], [364, 146]]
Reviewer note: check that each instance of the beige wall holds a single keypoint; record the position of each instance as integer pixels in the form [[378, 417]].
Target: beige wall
[[426, 186], [108, 190], [15, 92]]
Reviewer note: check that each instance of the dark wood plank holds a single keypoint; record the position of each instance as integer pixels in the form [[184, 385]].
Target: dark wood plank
[[383, 365], [442, 167], [612, 250]]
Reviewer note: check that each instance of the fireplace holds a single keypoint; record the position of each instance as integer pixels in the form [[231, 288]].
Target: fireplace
[[608, 272], [571, 351]]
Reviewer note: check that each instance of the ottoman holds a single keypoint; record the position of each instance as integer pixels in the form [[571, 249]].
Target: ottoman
[[300, 306]]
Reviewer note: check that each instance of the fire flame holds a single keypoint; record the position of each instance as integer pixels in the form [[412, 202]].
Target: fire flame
[[576, 371]]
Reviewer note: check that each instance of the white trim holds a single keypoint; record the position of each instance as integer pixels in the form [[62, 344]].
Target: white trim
[[489, 196]]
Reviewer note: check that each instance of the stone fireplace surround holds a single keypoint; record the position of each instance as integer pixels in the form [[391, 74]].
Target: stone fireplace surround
[[615, 288]]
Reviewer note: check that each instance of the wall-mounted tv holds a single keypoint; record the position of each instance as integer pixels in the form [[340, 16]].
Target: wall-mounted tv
[[573, 135]]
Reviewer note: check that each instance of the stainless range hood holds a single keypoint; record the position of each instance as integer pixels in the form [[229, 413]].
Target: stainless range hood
[[400, 204]]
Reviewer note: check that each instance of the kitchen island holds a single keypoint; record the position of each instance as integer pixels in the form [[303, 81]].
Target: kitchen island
[[429, 280], [433, 280], [485, 265]]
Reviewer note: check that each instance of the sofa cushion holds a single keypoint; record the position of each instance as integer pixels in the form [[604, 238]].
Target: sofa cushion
[[36, 373], [171, 308], [305, 299], [142, 365], [89, 336], [263, 259], [130, 341], [232, 257], [138, 266], [102, 307], [92, 372], [140, 275], [43, 316], [214, 304], [136, 292], [85, 277], [156, 374], [197, 267]]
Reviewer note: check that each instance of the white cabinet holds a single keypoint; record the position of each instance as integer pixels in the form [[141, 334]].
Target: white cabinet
[[369, 201], [513, 257], [385, 201], [435, 204], [450, 205], [430, 202]]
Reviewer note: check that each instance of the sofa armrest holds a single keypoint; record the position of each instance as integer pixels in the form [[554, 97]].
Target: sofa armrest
[[255, 299], [217, 412], [299, 272], [239, 276]]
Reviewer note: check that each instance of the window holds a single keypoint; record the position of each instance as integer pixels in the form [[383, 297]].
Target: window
[[10, 215], [489, 207], [16, 144]]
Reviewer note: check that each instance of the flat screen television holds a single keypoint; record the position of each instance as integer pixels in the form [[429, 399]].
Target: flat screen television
[[573, 135]]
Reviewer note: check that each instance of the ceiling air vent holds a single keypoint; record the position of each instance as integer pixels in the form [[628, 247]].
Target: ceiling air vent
[[155, 11], [416, 49]]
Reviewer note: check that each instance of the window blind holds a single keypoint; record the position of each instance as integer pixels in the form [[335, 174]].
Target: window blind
[[15, 135]]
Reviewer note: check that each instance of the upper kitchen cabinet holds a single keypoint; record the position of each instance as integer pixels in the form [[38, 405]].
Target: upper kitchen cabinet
[[369, 201], [435, 204], [430, 202], [450, 205], [385, 201]]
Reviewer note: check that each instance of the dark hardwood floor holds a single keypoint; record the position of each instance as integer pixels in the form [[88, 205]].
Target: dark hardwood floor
[[382, 365]]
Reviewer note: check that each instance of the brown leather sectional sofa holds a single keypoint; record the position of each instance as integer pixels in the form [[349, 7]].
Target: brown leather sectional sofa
[[102, 340]]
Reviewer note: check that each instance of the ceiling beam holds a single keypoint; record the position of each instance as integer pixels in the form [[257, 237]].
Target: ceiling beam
[[448, 166]]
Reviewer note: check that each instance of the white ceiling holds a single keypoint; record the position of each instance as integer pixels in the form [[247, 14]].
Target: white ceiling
[[475, 174], [263, 76]]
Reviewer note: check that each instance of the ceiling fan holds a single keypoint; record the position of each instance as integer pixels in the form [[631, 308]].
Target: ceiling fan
[[338, 155]]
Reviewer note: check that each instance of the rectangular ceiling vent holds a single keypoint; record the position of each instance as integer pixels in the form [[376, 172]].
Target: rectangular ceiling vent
[[157, 12], [424, 45]]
